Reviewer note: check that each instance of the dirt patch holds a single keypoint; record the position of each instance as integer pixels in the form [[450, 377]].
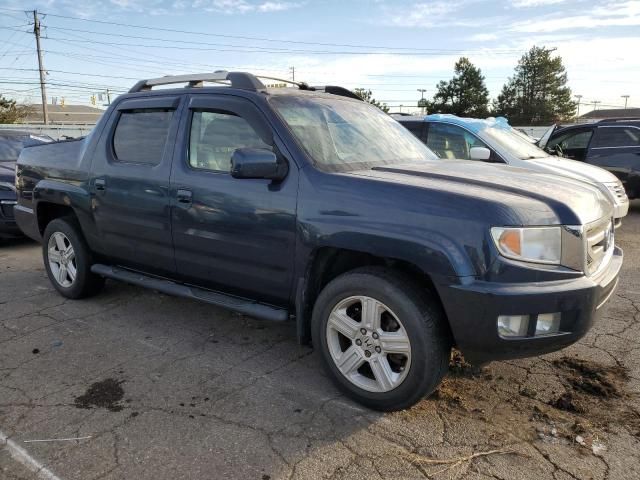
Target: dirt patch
[[459, 367], [104, 394], [568, 403], [593, 379]]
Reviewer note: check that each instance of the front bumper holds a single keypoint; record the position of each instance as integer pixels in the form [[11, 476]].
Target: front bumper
[[473, 310], [620, 210]]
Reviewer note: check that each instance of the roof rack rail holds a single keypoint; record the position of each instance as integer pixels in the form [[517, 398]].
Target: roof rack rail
[[242, 80], [335, 90], [618, 119]]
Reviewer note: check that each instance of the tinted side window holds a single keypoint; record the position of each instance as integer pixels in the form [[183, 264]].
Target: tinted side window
[[141, 135], [414, 127], [451, 141], [216, 135], [616, 137], [571, 140]]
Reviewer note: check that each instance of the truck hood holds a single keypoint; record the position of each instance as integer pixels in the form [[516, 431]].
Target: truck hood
[[575, 169], [7, 172], [536, 198]]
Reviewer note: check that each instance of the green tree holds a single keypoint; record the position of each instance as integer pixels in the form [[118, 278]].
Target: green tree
[[367, 96], [465, 94], [10, 112], [537, 93]]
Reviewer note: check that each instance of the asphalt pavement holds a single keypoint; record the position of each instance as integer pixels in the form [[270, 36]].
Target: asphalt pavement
[[133, 384]]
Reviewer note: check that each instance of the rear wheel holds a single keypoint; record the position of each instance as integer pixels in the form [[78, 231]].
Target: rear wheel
[[384, 342], [68, 260]]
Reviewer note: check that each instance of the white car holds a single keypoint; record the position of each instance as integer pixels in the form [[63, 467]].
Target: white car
[[493, 140]]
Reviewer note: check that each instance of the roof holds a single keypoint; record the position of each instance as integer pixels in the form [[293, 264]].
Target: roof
[[472, 124], [64, 114], [612, 113], [10, 132]]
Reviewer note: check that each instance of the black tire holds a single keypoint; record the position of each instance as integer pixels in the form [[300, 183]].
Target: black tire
[[421, 317], [85, 283]]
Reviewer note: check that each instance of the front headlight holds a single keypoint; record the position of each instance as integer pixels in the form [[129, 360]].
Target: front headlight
[[529, 244]]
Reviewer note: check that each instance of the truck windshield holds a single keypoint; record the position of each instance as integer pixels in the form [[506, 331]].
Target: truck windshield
[[514, 143], [342, 135], [10, 148]]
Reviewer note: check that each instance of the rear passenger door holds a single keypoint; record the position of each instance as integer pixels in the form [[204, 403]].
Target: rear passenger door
[[232, 235], [130, 184], [616, 148]]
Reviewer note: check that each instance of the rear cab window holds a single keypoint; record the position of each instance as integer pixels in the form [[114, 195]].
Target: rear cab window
[[141, 135]]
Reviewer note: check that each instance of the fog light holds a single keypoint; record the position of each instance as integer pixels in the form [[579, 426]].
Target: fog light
[[513, 325], [548, 323]]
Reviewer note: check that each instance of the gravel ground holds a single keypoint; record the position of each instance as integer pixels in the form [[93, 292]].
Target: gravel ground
[[164, 388]]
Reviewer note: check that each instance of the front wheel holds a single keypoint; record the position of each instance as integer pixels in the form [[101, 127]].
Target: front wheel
[[384, 342], [68, 260]]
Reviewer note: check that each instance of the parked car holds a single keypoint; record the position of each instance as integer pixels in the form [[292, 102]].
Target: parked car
[[293, 203], [613, 144], [11, 143], [493, 140]]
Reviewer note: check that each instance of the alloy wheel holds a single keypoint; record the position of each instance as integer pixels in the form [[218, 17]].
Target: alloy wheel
[[368, 344], [62, 259]]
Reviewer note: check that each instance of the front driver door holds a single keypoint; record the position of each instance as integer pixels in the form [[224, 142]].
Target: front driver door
[[232, 235]]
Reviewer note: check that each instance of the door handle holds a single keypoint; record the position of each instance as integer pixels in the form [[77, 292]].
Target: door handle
[[184, 196], [100, 184]]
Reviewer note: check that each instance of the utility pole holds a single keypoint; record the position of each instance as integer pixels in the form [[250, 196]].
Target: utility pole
[[626, 98], [43, 88], [108, 97], [579, 97], [292, 70], [595, 104], [421, 102]]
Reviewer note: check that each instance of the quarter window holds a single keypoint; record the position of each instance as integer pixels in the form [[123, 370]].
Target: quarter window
[[216, 135], [616, 137], [141, 135]]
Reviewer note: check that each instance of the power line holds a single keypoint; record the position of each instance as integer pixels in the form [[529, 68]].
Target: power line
[[197, 42], [243, 37], [252, 49]]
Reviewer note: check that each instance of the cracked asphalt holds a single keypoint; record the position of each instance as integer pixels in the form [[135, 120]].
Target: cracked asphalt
[[195, 392]]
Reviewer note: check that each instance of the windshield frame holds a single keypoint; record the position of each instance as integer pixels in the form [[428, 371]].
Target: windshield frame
[[277, 101]]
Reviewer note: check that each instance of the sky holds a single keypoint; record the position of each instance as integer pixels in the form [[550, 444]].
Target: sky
[[392, 47]]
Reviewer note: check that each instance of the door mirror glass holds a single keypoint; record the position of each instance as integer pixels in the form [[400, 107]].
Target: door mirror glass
[[256, 163], [479, 153]]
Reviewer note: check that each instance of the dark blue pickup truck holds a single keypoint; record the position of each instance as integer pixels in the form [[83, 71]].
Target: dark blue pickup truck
[[305, 204]]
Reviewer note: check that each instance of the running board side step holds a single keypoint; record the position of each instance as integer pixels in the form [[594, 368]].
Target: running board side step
[[237, 304]]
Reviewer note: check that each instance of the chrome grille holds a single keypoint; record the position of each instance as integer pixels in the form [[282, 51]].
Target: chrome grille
[[600, 243]]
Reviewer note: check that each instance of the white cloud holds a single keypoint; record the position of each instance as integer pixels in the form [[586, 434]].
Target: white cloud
[[534, 3], [421, 14], [610, 15], [231, 7], [483, 37], [276, 6]]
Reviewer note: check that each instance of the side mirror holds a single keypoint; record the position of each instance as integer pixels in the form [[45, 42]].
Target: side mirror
[[257, 163], [479, 153]]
